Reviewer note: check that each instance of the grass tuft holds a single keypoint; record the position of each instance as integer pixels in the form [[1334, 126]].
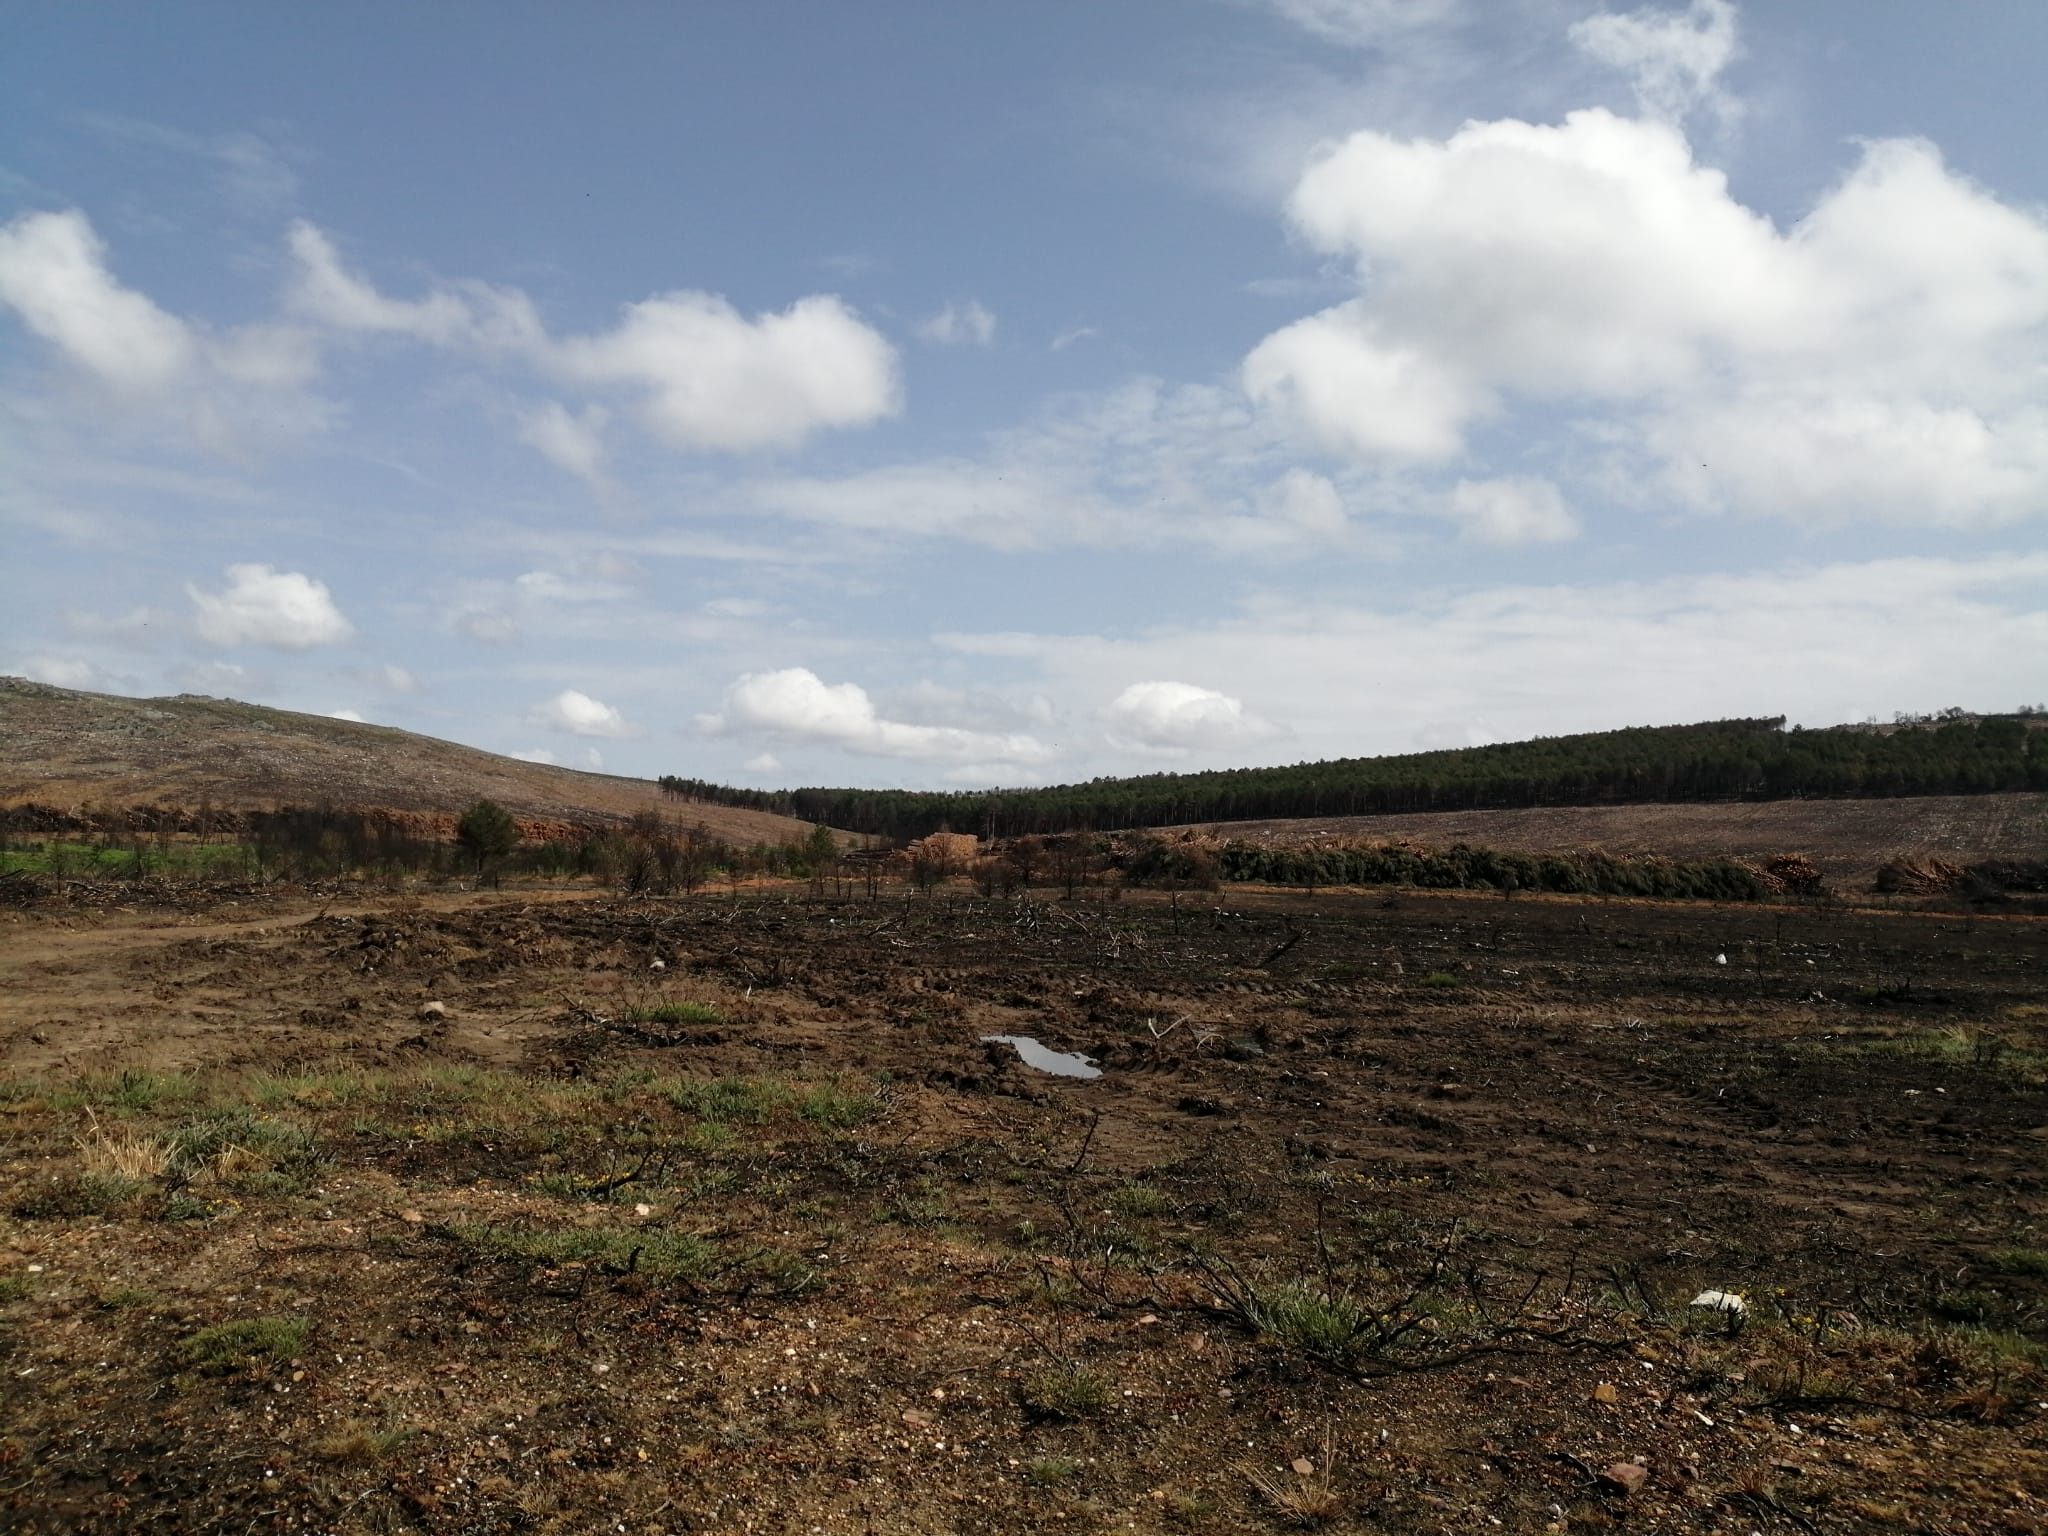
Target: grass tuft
[[246, 1343], [675, 1013], [1071, 1391], [2020, 1261]]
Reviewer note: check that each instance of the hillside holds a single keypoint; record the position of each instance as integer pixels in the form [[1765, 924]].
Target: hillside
[[1848, 840], [69, 749], [1714, 761]]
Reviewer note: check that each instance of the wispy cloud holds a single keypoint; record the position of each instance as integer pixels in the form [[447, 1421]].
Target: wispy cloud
[[961, 323]]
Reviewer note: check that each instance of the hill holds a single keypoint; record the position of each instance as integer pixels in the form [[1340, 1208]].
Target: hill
[[1847, 840], [1717, 761], [68, 749]]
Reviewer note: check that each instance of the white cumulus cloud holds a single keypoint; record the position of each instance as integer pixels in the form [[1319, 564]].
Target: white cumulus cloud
[[706, 377], [1880, 358], [795, 704], [1174, 717], [284, 610], [53, 272], [229, 391], [712, 379], [961, 323], [578, 714]]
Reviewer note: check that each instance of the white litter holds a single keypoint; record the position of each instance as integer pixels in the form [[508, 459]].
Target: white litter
[[1722, 1301], [1720, 959]]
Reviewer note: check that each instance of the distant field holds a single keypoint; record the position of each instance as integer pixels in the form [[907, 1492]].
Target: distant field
[[1848, 839], [68, 749]]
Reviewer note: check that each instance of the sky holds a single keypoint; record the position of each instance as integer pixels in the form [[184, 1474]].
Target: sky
[[937, 395]]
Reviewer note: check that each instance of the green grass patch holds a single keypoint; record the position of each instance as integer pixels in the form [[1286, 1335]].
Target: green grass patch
[[2019, 1261], [838, 1107], [74, 1195], [728, 1100], [87, 861], [242, 1345], [1138, 1202], [658, 1255], [1071, 1391], [1440, 979], [138, 1091], [1051, 1471], [1309, 1320], [255, 1153], [675, 1013]]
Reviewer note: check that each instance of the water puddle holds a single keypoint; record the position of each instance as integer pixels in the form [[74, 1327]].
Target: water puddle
[[1034, 1055]]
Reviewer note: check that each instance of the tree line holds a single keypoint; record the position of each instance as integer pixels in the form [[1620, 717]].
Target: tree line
[[1754, 759]]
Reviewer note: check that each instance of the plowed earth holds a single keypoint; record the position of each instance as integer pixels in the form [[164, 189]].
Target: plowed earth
[[1411, 1195]]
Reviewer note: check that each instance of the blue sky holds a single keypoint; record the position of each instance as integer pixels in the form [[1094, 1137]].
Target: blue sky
[[951, 395]]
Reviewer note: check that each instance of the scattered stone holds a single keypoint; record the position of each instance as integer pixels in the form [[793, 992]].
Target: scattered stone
[[414, 1217], [915, 1419], [1626, 1476], [1605, 1393], [40, 1037], [1303, 1465], [433, 1010]]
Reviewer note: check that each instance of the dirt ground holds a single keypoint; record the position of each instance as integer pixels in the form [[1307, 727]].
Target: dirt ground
[[531, 1212], [1847, 840]]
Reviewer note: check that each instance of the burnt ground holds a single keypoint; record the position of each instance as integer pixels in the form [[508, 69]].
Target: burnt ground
[[712, 1214]]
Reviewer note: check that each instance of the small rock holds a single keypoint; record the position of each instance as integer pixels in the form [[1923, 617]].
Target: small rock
[[1605, 1393], [1722, 1301], [1303, 1465], [40, 1037], [658, 965], [433, 1010], [414, 1217], [915, 1419], [1627, 1476]]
